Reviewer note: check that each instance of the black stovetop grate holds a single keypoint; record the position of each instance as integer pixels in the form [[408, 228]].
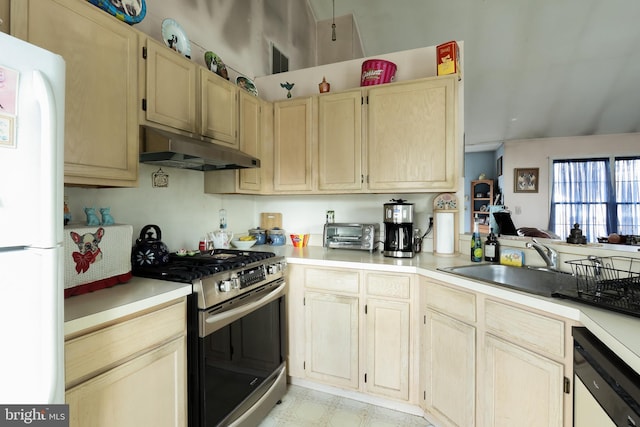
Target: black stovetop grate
[[607, 282], [186, 269]]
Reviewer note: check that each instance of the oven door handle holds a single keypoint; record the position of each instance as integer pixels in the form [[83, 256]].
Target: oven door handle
[[214, 318]]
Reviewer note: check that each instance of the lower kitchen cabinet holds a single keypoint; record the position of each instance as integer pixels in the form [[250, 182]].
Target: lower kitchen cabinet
[[332, 338], [131, 372], [489, 362], [449, 354], [357, 329], [520, 387]]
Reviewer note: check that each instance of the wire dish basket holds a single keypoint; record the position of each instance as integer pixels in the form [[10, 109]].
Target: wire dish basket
[[609, 282]]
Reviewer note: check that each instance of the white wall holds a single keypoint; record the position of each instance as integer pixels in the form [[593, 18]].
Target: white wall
[[532, 209], [184, 212], [241, 31]]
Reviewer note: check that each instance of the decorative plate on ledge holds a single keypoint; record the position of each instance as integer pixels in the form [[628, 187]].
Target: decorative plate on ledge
[[247, 84], [129, 11], [175, 37], [215, 64]]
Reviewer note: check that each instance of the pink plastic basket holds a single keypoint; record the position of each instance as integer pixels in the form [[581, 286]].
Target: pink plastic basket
[[377, 71]]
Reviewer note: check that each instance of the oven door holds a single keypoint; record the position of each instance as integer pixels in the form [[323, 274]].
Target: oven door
[[241, 357]]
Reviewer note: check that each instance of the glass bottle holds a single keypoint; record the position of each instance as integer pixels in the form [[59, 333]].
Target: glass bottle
[[223, 218], [491, 248], [476, 243]]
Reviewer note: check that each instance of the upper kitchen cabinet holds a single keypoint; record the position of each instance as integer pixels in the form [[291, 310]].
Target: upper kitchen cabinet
[[340, 142], [170, 93], [101, 119], [411, 137], [293, 145], [218, 109]]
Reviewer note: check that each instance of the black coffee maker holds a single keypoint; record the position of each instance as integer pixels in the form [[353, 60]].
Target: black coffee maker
[[398, 229]]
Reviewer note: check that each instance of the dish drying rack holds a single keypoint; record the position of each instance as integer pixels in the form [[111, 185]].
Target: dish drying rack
[[607, 282]]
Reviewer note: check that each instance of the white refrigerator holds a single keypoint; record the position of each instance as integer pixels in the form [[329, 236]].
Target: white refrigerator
[[32, 89]]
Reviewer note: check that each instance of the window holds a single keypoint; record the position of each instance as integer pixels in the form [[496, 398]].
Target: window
[[602, 195], [280, 63]]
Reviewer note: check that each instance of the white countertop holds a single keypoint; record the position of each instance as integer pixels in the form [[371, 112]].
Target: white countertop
[[98, 307], [619, 332]]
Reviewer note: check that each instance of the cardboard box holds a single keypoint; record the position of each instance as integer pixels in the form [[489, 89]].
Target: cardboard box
[[96, 257], [448, 58]]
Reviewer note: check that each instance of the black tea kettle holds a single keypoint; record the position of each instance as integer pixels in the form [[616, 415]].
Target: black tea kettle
[[149, 251]]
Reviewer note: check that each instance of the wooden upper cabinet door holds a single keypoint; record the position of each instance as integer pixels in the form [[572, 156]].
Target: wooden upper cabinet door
[[250, 130], [412, 135], [340, 141], [171, 88], [293, 145], [101, 109], [218, 108]]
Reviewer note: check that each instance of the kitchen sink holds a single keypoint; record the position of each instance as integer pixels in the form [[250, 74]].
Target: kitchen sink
[[537, 281]]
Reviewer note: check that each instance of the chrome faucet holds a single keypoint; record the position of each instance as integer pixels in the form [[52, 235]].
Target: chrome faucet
[[549, 255]]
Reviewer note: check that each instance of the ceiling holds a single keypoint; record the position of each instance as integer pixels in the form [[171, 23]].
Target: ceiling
[[531, 68]]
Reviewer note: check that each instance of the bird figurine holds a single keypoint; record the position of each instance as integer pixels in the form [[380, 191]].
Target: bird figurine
[[288, 86]]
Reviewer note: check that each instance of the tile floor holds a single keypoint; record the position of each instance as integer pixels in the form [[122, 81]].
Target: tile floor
[[303, 407]]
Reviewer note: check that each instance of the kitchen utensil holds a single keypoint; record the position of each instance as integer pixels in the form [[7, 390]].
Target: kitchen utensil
[[243, 244], [149, 250], [221, 238], [270, 220]]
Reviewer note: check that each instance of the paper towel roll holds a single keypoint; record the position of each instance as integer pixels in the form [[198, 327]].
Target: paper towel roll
[[445, 233]]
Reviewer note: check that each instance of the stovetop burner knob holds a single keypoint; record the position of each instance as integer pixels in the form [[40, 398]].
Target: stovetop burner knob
[[225, 286]]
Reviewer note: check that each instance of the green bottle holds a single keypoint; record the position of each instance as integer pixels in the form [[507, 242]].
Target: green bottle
[[476, 244]]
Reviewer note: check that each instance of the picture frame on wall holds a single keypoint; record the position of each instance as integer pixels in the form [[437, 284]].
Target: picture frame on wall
[[525, 180], [499, 166]]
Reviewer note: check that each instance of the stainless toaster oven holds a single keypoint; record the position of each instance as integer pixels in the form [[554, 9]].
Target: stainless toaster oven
[[351, 236]]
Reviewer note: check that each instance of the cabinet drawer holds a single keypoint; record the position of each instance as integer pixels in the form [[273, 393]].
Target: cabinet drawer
[[388, 285], [332, 280], [93, 353], [532, 330], [455, 303]]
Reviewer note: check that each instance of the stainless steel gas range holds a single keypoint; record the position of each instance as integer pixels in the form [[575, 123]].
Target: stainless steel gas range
[[237, 333]]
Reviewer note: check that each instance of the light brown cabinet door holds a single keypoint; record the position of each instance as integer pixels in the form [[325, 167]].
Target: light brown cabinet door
[[101, 56], [449, 369], [340, 141], [171, 87], [148, 390], [219, 109], [250, 139], [411, 136], [332, 339], [510, 369], [293, 145], [388, 348]]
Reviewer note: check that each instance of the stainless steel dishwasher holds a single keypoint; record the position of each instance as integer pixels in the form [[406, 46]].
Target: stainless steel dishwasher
[[606, 390]]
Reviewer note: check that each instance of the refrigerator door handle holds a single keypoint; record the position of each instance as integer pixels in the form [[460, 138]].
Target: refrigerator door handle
[[48, 154]]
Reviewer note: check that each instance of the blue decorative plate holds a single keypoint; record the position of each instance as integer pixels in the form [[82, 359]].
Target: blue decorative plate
[[129, 11], [175, 37]]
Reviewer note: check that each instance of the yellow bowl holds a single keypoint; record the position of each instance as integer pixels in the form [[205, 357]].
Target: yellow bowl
[[299, 240]]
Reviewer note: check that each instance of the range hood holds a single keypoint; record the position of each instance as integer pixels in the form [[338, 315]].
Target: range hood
[[161, 148]]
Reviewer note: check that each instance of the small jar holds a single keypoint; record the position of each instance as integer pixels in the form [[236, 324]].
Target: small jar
[[276, 237], [259, 234]]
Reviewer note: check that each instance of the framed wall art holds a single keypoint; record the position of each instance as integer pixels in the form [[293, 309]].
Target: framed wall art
[[499, 166], [525, 180]]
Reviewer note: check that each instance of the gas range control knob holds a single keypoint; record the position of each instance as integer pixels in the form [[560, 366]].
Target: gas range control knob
[[225, 286]]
